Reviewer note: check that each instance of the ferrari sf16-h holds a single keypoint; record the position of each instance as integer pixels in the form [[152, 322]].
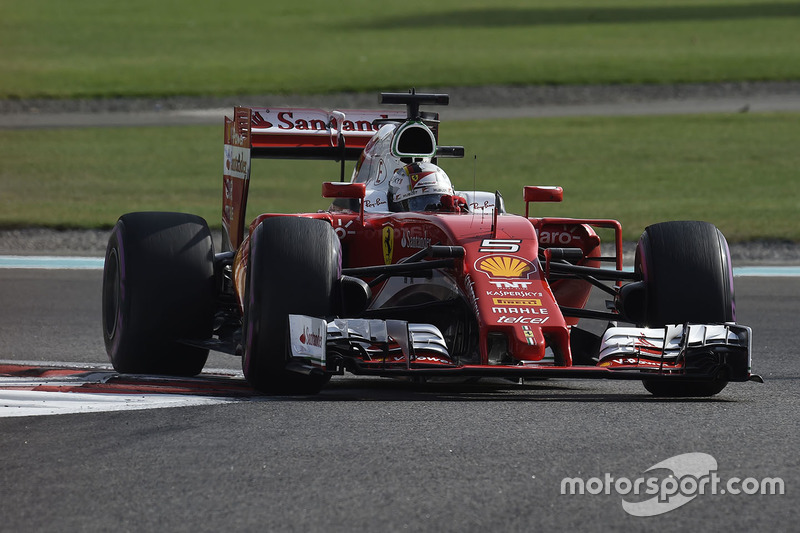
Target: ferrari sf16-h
[[403, 276]]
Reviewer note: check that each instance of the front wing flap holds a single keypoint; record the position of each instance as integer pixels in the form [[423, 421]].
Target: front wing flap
[[688, 352], [680, 349]]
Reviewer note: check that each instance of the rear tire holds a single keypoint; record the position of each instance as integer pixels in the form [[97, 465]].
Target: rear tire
[[687, 276], [158, 288], [294, 266]]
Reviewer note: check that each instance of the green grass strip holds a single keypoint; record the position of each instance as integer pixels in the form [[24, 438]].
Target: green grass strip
[[86, 48], [738, 171]]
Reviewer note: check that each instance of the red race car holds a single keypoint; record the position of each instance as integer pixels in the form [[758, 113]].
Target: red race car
[[405, 277]]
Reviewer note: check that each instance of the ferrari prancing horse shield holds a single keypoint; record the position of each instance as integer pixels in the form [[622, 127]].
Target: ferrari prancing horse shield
[[388, 244]]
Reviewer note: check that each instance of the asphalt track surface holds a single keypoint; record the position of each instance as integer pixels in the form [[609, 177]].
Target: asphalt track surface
[[214, 116], [467, 103], [374, 454]]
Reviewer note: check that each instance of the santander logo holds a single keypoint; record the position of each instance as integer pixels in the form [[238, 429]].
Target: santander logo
[[311, 121], [310, 338]]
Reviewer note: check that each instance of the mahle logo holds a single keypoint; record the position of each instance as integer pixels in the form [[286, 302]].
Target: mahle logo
[[692, 475]]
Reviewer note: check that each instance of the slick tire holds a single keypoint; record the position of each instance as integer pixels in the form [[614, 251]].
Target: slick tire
[[687, 275], [158, 289], [294, 267]]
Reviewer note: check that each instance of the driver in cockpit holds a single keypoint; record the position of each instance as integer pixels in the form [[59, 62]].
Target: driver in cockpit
[[415, 187], [419, 187]]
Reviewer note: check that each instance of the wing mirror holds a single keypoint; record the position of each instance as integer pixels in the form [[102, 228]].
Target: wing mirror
[[541, 194], [332, 189]]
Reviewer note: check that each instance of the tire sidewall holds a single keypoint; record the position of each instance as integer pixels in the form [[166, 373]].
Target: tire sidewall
[[158, 289], [293, 268], [687, 274]]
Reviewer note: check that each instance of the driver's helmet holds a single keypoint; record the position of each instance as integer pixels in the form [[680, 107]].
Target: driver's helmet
[[418, 187]]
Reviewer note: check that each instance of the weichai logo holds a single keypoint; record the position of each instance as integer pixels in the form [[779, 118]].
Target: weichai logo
[[505, 266]]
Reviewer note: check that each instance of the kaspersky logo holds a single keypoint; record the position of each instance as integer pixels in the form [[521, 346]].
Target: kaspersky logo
[[505, 266]]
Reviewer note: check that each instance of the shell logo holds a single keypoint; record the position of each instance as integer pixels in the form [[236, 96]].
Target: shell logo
[[505, 266]]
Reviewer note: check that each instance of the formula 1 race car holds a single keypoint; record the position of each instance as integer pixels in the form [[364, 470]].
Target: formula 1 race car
[[405, 277]]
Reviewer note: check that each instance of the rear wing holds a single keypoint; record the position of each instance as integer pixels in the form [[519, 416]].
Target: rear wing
[[314, 133], [288, 133]]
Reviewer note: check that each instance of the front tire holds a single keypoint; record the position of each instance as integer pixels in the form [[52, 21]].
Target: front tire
[[687, 276], [294, 266], [158, 288]]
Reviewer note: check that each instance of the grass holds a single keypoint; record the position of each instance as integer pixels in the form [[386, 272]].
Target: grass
[[738, 171], [96, 48]]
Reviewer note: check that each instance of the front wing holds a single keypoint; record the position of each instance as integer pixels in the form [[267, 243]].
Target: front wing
[[395, 348]]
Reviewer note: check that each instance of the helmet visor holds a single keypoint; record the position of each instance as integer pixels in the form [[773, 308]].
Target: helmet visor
[[426, 202]]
